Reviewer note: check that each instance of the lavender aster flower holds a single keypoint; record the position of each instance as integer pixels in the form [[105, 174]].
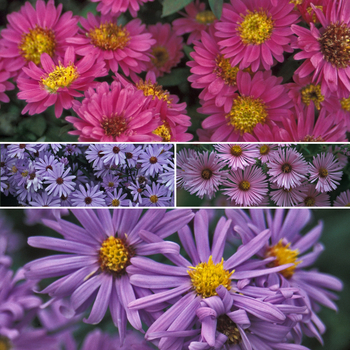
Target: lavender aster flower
[[94, 155], [60, 182], [117, 199], [155, 196], [153, 159], [89, 197], [43, 199], [113, 154]]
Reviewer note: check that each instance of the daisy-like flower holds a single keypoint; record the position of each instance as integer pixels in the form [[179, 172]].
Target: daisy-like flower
[[254, 33], [110, 182], [114, 154], [167, 178], [112, 113], [343, 200], [118, 45], [94, 155], [5, 85], [89, 197], [94, 270], [313, 198], [286, 198], [132, 154], [32, 32], [266, 152], [57, 83], [117, 6], [326, 170], [153, 159], [42, 165], [59, 181], [167, 51], [197, 19], [117, 198], [136, 190], [45, 200], [155, 196], [20, 150], [237, 156], [262, 100], [246, 187], [202, 174], [326, 49], [287, 168]]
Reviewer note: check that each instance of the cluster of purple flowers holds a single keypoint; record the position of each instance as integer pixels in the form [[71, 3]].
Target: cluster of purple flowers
[[251, 175], [251, 288], [95, 175]]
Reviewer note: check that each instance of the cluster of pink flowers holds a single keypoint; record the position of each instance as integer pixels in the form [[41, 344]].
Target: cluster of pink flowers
[[265, 174]]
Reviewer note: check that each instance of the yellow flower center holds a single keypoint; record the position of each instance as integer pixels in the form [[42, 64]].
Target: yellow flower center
[[345, 104], [164, 132], [347, 205], [36, 42], [286, 168], [161, 56], [296, 2], [205, 17], [155, 90], [309, 138], [25, 173], [310, 93], [206, 277], [61, 77], [246, 113], [335, 45], [227, 327], [110, 184], [115, 203], [14, 169], [284, 255], [309, 201], [114, 125], [114, 255], [236, 150], [109, 36], [264, 149], [225, 71], [256, 27], [4, 343], [323, 172], [312, 13], [244, 185], [206, 174], [153, 198]]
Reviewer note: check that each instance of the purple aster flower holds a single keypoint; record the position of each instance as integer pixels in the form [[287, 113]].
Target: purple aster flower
[[94, 269], [286, 198], [117, 199], [266, 152], [55, 147], [42, 165], [237, 155], [168, 177], [43, 199], [343, 200], [155, 196], [132, 154], [326, 170], [59, 181], [195, 280], [287, 168], [313, 198], [35, 216], [136, 190], [94, 155], [110, 182], [19, 150], [153, 159], [10, 240], [114, 154], [72, 150], [89, 197]]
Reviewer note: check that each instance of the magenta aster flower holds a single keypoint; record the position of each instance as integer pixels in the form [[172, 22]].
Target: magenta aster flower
[[197, 19], [287, 168], [326, 49], [114, 114], [254, 32], [246, 187], [261, 101], [118, 45], [116, 6], [32, 32], [313, 198], [167, 51], [57, 83], [237, 155], [5, 85], [326, 170], [94, 269], [343, 200]]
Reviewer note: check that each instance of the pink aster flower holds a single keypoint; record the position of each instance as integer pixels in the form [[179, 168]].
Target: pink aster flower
[[266, 152], [326, 49], [313, 198], [111, 113], [343, 200], [254, 32], [246, 187], [57, 83], [196, 19], [308, 13], [237, 156], [167, 51], [127, 46], [262, 102], [287, 168], [286, 198], [5, 85], [31, 32], [116, 6], [326, 170], [202, 174]]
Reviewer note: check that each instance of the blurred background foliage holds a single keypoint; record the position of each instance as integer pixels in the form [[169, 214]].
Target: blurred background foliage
[[184, 198], [334, 260]]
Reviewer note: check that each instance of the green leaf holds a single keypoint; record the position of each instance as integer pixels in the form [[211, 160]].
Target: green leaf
[[172, 6], [216, 7], [65, 129], [188, 50], [176, 77], [36, 124]]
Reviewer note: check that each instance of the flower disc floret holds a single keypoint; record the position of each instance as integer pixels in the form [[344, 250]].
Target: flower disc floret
[[114, 126], [153, 89], [345, 104], [206, 277], [164, 132], [160, 56], [205, 17], [225, 70], [236, 150], [227, 327], [313, 93]]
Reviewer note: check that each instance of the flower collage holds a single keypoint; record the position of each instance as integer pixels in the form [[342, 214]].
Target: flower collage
[[174, 174]]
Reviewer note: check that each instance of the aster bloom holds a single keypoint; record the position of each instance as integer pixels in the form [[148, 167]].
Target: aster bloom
[[167, 178], [57, 83], [5, 85], [152, 159], [89, 197], [313, 198], [202, 174], [237, 155], [114, 154], [286, 198], [116, 6], [118, 45], [32, 32], [94, 269], [156, 196], [266, 152], [94, 155], [246, 187], [288, 168], [110, 182], [45, 200], [112, 113], [59, 181], [343, 200], [167, 51], [326, 49], [254, 33], [262, 101], [326, 170], [20, 150], [42, 165], [117, 198]]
